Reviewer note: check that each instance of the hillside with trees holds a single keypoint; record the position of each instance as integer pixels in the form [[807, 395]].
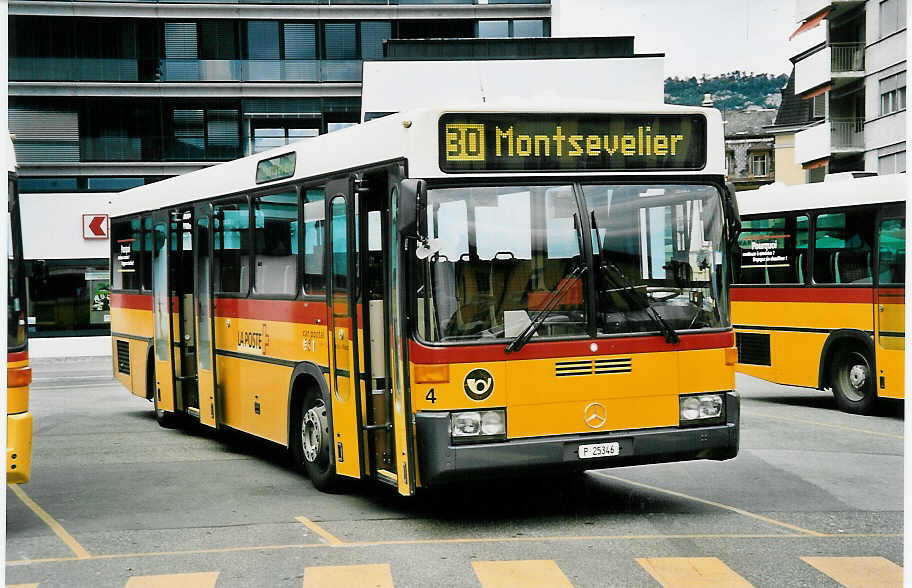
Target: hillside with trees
[[736, 90]]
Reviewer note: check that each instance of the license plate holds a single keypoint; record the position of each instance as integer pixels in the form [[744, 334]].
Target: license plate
[[599, 450]]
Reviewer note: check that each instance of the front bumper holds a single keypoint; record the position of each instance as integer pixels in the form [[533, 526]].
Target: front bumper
[[439, 461]]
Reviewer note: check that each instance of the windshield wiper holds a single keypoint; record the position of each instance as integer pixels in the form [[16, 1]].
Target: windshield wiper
[[631, 294], [552, 302]]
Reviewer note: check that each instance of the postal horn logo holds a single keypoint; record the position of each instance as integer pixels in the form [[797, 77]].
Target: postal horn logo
[[478, 384]]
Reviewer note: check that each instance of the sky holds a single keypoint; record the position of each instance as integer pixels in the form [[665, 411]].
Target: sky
[[697, 36]]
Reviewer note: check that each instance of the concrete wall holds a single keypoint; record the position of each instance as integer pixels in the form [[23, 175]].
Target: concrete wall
[[52, 226], [787, 170], [70, 347], [393, 86]]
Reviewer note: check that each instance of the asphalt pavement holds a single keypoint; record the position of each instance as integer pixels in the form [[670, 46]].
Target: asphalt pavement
[[815, 498]]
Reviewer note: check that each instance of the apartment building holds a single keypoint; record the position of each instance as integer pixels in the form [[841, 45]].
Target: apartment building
[[107, 95], [850, 62]]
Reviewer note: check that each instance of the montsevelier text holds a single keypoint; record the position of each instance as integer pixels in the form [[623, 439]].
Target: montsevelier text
[[508, 143]]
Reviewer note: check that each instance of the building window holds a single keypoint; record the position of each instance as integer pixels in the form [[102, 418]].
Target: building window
[[496, 29], [340, 40], [205, 134], [277, 133], [759, 164], [892, 16], [893, 93], [730, 163], [894, 163], [68, 297], [818, 106]]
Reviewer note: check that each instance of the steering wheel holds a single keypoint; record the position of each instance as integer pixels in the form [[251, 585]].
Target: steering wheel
[[668, 291]]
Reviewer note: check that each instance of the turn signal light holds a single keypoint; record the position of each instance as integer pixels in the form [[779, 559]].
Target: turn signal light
[[731, 355], [18, 378], [431, 374]]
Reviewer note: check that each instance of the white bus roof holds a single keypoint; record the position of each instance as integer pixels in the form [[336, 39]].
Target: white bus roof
[[850, 192], [411, 135]]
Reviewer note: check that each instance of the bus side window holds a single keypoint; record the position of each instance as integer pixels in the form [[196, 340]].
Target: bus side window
[[843, 248], [232, 247], [892, 245], [314, 281], [276, 241], [126, 241]]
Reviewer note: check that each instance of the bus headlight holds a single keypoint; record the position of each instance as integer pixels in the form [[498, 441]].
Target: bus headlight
[[478, 425], [703, 409]]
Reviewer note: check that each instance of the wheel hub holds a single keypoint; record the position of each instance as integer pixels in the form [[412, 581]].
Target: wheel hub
[[858, 375], [314, 433]]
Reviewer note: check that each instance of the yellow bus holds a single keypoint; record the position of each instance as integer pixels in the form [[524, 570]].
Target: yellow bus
[[18, 372], [444, 294], [818, 294]]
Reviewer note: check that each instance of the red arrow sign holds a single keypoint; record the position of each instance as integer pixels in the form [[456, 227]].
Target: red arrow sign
[[94, 226]]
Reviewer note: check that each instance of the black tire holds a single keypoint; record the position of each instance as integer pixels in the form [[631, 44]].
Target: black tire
[[310, 441], [852, 377], [164, 418]]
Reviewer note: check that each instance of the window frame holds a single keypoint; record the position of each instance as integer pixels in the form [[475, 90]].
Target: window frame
[[217, 291]]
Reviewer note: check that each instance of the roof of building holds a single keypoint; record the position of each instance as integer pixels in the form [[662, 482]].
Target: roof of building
[[747, 123], [793, 110], [512, 48]]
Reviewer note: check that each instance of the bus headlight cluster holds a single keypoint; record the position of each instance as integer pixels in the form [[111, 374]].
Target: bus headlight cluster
[[478, 425], [701, 408]]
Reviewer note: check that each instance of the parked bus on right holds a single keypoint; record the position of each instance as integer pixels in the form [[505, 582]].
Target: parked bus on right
[[818, 289]]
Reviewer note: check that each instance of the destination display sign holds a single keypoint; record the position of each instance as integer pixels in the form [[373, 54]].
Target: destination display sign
[[572, 142], [276, 168]]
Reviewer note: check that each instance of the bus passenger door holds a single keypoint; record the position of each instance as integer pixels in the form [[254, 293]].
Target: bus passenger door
[[205, 364], [890, 303], [344, 384], [161, 314]]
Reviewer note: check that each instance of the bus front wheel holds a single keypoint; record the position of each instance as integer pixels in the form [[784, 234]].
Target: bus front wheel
[[852, 378], [311, 442]]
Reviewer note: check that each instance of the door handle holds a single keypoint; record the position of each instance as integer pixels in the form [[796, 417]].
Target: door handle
[[880, 307]]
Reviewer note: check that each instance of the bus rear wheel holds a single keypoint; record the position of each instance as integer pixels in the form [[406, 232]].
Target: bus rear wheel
[[311, 443], [852, 378]]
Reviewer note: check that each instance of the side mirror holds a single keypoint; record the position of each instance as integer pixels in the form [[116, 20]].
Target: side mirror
[[411, 193], [733, 217]]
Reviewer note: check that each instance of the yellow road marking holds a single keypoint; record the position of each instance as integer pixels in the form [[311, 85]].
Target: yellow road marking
[[25, 562], [22, 586], [373, 575], [326, 535], [198, 580], [74, 545], [819, 424], [507, 574], [684, 572], [716, 504], [859, 571]]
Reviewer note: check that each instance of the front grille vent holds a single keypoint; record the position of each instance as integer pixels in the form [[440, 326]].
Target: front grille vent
[[753, 348], [588, 367], [123, 357]]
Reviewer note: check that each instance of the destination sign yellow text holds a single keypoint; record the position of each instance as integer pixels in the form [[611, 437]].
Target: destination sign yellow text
[[506, 142]]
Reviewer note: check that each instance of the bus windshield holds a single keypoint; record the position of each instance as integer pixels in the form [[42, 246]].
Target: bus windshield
[[15, 311], [503, 251]]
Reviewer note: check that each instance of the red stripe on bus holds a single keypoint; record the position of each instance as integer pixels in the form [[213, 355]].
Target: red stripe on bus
[[892, 295], [134, 301], [802, 294], [289, 311], [419, 353], [16, 356]]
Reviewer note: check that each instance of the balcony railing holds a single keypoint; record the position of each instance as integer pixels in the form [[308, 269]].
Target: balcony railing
[[847, 57], [260, 70], [847, 133], [76, 69]]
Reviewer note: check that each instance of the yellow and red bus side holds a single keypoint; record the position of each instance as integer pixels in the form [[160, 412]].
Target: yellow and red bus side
[[18, 418], [810, 324], [131, 341]]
